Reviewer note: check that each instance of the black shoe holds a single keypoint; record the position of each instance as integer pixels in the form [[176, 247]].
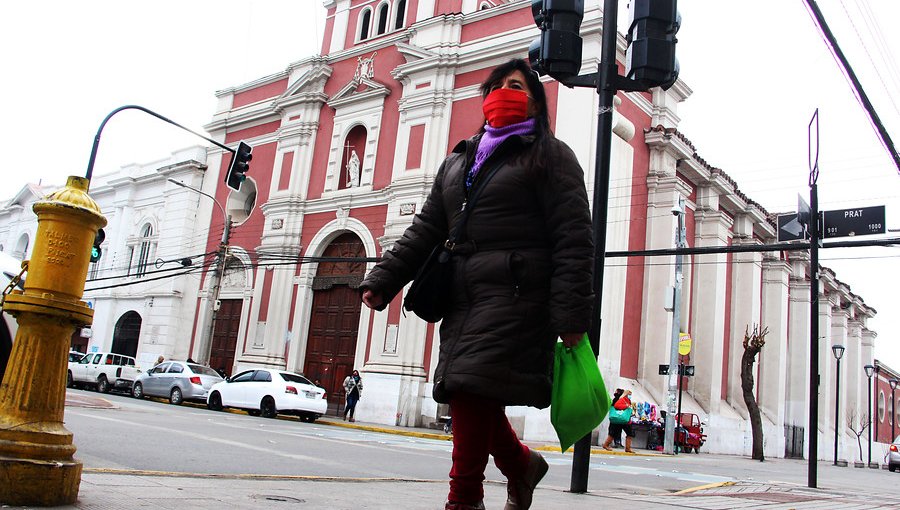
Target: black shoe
[[520, 491], [452, 505]]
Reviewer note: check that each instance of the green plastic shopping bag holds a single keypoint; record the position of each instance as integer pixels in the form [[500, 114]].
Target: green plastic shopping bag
[[579, 401]]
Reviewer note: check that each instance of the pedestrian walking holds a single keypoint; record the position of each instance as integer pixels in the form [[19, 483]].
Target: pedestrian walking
[[353, 389], [621, 402], [521, 279]]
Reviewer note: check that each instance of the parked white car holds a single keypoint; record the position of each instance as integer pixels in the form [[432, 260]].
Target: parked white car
[[9, 269], [177, 380], [104, 371], [267, 392]]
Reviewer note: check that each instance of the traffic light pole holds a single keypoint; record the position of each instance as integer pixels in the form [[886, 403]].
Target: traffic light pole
[[606, 90], [215, 284]]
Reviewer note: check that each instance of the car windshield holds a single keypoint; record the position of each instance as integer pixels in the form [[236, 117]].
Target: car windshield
[[201, 370], [294, 378]]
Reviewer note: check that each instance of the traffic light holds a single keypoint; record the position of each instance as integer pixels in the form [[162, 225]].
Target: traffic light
[[650, 57], [96, 251], [557, 51], [240, 163]]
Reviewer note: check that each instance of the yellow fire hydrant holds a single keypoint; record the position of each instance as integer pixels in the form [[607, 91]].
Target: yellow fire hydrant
[[37, 464]]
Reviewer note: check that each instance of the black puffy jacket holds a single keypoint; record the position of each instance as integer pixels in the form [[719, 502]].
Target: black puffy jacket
[[524, 279]]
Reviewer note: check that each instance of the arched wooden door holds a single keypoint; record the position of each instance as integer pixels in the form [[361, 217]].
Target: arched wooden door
[[334, 322], [126, 334]]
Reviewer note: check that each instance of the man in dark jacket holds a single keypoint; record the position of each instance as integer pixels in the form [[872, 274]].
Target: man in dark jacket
[[521, 278]]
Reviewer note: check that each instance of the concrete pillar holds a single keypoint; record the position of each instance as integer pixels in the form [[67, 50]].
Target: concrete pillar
[[746, 283], [712, 228], [826, 374], [797, 391], [773, 357]]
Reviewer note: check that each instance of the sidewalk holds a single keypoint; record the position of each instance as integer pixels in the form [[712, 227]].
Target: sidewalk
[[119, 489]]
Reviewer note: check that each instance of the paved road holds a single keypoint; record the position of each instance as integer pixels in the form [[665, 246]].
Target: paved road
[[148, 435]]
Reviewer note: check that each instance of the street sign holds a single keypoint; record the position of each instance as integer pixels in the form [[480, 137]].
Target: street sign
[[859, 221], [790, 228], [686, 370], [684, 344]]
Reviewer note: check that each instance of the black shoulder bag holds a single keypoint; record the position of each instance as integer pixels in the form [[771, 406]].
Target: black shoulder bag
[[430, 290]]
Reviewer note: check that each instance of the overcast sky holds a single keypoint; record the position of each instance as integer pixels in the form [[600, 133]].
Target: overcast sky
[[758, 71]]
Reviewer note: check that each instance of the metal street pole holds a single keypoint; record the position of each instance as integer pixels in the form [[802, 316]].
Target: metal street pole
[[869, 370], [838, 351], [674, 374], [893, 383], [813, 227], [680, 389], [607, 69], [205, 347]]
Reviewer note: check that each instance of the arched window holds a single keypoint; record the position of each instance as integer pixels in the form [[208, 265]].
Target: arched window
[[400, 16], [881, 406], [382, 18], [365, 23], [483, 6], [352, 156], [241, 203], [22, 247], [147, 250]]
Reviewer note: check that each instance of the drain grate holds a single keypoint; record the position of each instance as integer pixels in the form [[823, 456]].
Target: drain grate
[[772, 496], [275, 498]]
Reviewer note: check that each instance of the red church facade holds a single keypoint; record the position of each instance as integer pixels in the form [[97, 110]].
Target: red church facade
[[346, 145]]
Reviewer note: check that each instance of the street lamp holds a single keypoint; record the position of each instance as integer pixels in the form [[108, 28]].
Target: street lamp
[[893, 383], [206, 340], [870, 370], [838, 351]]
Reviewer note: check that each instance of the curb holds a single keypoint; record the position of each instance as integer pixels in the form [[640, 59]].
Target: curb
[[703, 487], [596, 451]]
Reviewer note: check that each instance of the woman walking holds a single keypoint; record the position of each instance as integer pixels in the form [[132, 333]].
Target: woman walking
[[521, 279], [353, 390]]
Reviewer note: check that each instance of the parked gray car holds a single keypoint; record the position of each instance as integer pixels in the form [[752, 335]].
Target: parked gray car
[[176, 380]]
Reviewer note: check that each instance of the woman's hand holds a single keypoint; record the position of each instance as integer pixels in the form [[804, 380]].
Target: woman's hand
[[571, 339], [372, 299]]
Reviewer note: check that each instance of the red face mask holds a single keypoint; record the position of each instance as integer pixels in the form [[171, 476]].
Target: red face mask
[[503, 107]]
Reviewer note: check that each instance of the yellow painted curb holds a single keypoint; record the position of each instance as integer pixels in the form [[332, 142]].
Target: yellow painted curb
[[397, 432], [702, 487]]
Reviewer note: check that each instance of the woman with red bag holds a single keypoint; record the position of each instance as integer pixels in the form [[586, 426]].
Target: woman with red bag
[[621, 402]]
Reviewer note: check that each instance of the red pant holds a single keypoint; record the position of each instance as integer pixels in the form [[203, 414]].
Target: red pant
[[480, 428]]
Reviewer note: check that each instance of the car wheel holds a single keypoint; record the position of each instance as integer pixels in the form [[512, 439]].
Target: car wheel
[[253, 412], [267, 408], [137, 391], [69, 383], [175, 397], [215, 402], [892, 468], [307, 417], [102, 384]]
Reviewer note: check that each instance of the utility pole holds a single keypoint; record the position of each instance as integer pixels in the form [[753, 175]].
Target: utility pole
[[674, 372], [215, 283]]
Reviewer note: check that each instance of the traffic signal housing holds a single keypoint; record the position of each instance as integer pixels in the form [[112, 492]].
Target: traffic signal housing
[[650, 57], [240, 163], [557, 51], [96, 251]]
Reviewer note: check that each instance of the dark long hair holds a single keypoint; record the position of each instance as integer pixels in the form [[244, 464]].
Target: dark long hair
[[542, 157]]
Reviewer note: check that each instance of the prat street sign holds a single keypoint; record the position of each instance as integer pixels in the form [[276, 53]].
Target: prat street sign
[[860, 221]]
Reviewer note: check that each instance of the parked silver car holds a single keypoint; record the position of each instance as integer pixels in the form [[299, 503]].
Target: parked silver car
[[177, 380], [893, 456]]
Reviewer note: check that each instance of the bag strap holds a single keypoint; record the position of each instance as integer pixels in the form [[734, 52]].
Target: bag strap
[[469, 204]]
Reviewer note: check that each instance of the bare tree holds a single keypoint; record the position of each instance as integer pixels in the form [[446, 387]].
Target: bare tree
[[858, 427], [752, 345]]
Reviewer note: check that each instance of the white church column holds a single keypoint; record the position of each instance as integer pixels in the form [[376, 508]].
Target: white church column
[[713, 228], [797, 393], [773, 357], [746, 276]]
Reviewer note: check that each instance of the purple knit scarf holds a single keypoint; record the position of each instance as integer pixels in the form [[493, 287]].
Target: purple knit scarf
[[491, 139]]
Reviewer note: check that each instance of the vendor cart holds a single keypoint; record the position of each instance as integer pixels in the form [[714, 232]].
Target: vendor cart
[[689, 434]]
